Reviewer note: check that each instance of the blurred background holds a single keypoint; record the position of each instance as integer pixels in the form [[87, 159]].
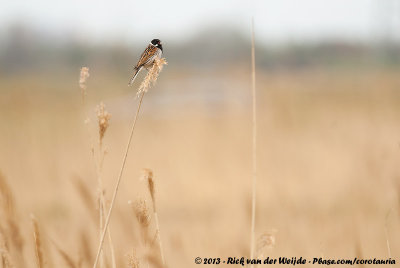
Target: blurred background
[[328, 106]]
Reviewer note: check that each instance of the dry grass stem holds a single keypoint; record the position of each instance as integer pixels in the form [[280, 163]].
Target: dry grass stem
[[84, 75], [254, 121], [103, 118], [159, 237], [110, 242]]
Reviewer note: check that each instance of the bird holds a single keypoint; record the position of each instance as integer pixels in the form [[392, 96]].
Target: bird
[[154, 50]]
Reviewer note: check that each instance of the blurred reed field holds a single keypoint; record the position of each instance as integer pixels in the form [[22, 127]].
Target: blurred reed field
[[328, 152]]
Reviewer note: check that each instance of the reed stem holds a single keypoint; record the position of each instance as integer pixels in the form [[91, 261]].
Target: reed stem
[[118, 182], [254, 139]]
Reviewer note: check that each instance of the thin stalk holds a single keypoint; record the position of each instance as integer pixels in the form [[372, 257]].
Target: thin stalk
[[254, 138], [159, 237], [118, 183], [102, 205], [101, 199], [113, 260]]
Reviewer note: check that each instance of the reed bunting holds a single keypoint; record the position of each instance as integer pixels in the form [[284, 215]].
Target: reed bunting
[[154, 50]]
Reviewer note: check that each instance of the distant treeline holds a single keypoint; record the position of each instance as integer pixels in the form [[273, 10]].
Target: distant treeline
[[22, 49]]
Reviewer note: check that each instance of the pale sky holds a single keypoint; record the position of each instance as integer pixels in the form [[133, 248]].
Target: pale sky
[[276, 20]]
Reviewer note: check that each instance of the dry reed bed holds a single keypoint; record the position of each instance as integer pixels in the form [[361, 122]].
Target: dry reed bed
[[334, 171]]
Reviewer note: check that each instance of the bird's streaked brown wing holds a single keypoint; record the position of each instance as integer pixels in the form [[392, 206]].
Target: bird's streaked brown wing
[[147, 56]]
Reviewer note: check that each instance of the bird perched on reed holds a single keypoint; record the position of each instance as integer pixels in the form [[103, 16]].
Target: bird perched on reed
[[153, 51]]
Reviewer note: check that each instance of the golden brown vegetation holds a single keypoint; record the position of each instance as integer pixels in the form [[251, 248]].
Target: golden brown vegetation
[[328, 144]]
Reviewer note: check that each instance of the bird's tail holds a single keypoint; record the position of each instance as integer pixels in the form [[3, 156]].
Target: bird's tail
[[135, 73]]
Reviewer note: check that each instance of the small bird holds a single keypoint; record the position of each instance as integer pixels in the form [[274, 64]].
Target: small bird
[[154, 50]]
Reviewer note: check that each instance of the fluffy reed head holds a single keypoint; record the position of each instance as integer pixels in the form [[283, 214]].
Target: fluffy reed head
[[141, 212], [84, 75], [133, 261], [152, 75], [103, 118]]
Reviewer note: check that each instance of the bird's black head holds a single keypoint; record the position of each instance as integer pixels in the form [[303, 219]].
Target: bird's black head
[[157, 43]]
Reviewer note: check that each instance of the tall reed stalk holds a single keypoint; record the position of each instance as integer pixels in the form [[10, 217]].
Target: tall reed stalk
[[103, 117], [254, 142], [150, 79]]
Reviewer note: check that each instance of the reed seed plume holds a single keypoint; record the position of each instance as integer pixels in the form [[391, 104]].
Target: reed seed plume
[[38, 243], [133, 261], [152, 75], [141, 212], [84, 75], [103, 118]]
